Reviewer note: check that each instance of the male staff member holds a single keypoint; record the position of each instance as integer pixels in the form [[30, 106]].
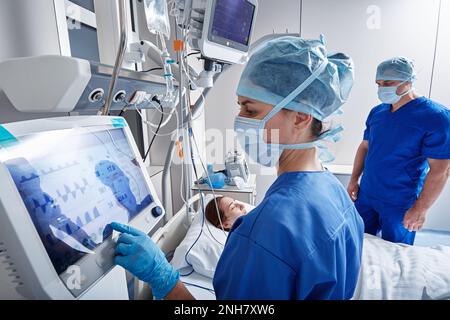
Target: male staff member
[[404, 157]]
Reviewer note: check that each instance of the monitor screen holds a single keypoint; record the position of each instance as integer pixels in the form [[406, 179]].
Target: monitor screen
[[74, 183], [87, 4], [84, 42], [233, 21]]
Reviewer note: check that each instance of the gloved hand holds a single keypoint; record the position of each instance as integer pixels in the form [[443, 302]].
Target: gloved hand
[[137, 253]]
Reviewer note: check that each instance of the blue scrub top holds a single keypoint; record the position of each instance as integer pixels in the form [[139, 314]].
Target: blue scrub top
[[303, 241], [399, 145]]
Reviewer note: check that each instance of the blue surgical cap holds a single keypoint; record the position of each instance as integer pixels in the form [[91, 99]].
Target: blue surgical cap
[[283, 64], [398, 68]]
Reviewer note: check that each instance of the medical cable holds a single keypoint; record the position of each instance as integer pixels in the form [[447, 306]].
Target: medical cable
[[201, 194], [196, 285], [152, 69], [192, 137], [191, 134], [169, 114], [179, 136], [202, 208], [203, 217], [151, 125], [192, 246], [157, 130], [122, 111], [193, 53], [210, 184], [198, 237]]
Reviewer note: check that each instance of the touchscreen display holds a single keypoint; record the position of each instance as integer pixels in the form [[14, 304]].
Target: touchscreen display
[[74, 183]]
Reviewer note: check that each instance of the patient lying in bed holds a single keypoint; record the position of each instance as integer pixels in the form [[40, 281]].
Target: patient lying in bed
[[226, 212]]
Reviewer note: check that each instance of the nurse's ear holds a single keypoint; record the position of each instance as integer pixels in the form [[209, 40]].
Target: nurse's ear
[[404, 87], [303, 123], [297, 127]]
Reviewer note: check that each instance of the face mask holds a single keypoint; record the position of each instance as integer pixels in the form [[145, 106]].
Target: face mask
[[250, 135], [389, 95], [250, 132]]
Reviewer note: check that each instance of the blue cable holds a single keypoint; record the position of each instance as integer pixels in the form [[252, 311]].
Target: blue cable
[[196, 285], [191, 134], [202, 205]]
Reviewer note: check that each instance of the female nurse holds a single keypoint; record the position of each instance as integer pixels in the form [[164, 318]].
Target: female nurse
[[304, 240]]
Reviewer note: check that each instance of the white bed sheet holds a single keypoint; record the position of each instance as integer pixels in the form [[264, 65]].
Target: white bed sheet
[[199, 286], [397, 271], [429, 238]]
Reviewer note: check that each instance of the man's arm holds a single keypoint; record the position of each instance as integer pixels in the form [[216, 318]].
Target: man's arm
[[432, 188], [358, 167]]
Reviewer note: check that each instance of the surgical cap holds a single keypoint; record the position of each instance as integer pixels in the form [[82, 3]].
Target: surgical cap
[[398, 68], [283, 64]]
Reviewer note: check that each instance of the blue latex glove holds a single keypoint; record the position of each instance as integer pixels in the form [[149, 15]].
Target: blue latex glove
[[137, 253]]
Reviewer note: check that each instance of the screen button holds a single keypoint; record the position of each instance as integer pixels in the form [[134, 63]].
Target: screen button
[[157, 211]]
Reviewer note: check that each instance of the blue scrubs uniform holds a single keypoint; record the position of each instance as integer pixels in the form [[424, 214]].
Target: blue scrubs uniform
[[304, 241], [396, 164]]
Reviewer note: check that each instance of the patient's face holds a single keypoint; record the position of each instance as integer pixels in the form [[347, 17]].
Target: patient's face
[[232, 210]]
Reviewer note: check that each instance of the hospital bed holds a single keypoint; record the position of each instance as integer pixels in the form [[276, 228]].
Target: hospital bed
[[170, 236], [376, 278]]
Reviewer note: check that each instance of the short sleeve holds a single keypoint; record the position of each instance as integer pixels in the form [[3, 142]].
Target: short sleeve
[[436, 143], [367, 131], [331, 273], [317, 278], [248, 271]]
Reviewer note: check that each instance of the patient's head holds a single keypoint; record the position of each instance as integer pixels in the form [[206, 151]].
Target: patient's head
[[228, 209]]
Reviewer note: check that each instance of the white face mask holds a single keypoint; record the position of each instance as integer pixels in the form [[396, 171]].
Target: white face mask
[[250, 134], [389, 95]]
